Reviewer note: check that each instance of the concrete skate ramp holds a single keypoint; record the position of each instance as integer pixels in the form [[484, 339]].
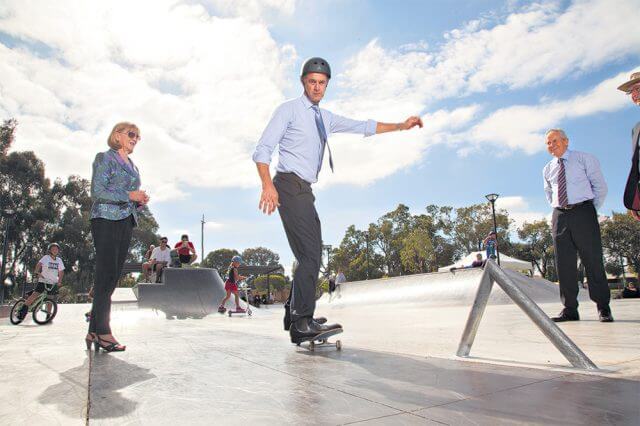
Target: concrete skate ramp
[[436, 289], [184, 292]]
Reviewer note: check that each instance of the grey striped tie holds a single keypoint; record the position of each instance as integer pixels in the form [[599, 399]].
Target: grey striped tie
[[323, 136], [563, 199]]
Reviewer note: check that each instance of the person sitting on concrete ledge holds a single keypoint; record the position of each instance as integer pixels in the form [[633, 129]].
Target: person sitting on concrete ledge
[[478, 263], [160, 258], [186, 250], [630, 291]]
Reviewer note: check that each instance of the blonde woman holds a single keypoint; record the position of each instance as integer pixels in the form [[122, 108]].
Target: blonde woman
[[116, 195]]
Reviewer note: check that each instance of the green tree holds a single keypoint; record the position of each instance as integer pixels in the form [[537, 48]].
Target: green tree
[[25, 190], [538, 245], [473, 223], [277, 282], [387, 236], [621, 238], [219, 259], [351, 257], [260, 256], [417, 252]]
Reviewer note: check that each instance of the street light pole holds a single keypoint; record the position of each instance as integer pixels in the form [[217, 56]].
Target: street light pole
[[367, 253], [327, 247], [492, 199], [8, 213], [202, 222]]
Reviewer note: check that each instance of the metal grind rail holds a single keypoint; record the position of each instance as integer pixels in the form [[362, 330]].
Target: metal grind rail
[[493, 273]]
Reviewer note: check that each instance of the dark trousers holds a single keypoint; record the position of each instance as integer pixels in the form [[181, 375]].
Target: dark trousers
[[577, 231], [111, 239], [302, 226]]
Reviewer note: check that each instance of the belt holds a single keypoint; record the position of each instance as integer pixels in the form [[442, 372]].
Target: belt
[[573, 206], [291, 175]]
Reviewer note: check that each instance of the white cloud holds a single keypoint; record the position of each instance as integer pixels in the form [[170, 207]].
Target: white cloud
[[254, 9], [182, 74], [532, 45], [519, 210], [213, 225], [169, 66], [523, 126], [362, 161]]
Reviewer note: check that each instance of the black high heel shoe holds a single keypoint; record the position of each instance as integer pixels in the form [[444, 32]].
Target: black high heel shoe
[[90, 341], [107, 345]]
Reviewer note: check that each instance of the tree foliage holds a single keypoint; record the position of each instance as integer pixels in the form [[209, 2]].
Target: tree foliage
[[621, 238], [219, 259], [260, 256]]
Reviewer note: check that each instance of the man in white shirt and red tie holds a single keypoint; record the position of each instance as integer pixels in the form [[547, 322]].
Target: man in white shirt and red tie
[[299, 128], [575, 188]]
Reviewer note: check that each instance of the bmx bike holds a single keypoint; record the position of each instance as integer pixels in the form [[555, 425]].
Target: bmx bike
[[43, 309]]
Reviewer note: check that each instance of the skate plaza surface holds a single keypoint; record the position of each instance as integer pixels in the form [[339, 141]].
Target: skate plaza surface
[[397, 364]]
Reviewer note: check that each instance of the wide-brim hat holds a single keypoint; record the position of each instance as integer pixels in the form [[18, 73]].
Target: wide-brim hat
[[626, 87]]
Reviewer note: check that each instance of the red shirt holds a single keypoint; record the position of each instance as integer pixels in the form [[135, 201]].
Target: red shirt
[[184, 250]]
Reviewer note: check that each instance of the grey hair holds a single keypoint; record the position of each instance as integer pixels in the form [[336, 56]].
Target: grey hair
[[563, 135]]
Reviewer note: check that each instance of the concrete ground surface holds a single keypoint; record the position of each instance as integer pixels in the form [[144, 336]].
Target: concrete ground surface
[[221, 370]]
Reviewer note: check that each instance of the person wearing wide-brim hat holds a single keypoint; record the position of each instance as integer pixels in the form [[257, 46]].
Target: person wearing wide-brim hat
[[632, 88]]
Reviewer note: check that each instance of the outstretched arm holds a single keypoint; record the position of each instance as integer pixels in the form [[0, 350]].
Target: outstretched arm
[[392, 127]]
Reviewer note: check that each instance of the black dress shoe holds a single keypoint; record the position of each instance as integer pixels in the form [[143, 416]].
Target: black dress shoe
[[305, 329], [566, 315], [287, 319], [605, 315]]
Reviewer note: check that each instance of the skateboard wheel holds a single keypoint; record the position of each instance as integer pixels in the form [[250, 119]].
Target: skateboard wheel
[[338, 345], [229, 313], [312, 346]]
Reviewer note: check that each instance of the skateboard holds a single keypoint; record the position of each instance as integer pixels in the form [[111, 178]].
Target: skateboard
[[322, 340]]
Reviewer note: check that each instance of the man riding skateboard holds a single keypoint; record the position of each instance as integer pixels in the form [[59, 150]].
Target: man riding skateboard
[[300, 129]]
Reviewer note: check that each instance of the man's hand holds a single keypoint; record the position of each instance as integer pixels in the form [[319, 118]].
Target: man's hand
[[635, 214], [411, 122], [269, 199]]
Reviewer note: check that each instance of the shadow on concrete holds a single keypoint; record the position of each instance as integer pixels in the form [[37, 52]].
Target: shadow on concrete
[[70, 394], [444, 390], [109, 375]]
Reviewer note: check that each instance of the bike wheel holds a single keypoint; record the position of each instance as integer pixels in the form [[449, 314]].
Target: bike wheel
[[45, 311], [13, 317]]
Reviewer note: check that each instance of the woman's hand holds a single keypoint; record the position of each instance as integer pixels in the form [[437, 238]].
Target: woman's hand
[[139, 196], [635, 214]]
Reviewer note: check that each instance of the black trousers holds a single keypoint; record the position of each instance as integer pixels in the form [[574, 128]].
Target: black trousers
[[111, 239], [577, 231], [302, 226]]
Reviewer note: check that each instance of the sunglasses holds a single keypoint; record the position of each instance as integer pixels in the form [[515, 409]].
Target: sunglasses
[[163, 241], [132, 135]]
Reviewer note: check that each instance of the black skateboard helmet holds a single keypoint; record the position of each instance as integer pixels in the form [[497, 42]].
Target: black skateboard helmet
[[318, 65]]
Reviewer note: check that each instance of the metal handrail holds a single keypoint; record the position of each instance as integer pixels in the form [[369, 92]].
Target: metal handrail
[[493, 273]]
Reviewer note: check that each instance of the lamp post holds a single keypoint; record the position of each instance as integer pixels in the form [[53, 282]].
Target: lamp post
[[8, 214], [366, 234], [492, 199], [27, 261], [327, 247], [202, 223]]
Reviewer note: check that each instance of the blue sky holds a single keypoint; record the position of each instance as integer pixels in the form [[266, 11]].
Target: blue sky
[[202, 78]]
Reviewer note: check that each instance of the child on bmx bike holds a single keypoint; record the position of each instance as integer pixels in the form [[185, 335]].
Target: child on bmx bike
[[49, 272], [231, 285]]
